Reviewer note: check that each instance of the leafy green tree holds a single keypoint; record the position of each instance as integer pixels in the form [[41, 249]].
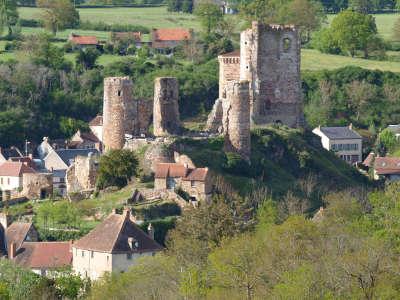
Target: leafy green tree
[[8, 15], [387, 140], [69, 126], [210, 15], [58, 15], [87, 58], [116, 168], [70, 286], [353, 30], [362, 6]]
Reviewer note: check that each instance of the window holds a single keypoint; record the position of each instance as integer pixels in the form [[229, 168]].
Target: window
[[83, 253], [92, 254], [129, 256], [286, 44], [192, 183], [119, 92]]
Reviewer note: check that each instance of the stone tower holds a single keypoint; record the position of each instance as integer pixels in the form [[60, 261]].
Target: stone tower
[[270, 61], [237, 118], [117, 111], [229, 69], [166, 120]]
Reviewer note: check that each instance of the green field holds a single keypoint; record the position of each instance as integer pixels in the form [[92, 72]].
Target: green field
[[151, 17]]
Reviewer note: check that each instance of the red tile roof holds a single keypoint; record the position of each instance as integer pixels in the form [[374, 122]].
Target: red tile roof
[[44, 255], [387, 165], [83, 40], [113, 234], [164, 170], [14, 169], [171, 34], [97, 121], [235, 53], [368, 160]]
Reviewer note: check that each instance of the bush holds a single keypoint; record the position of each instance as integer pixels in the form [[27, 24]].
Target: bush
[[108, 48], [101, 26], [161, 228], [10, 46], [159, 211]]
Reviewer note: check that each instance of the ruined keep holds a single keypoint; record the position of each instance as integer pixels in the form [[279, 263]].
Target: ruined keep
[[82, 174], [166, 120], [270, 61], [237, 118], [269, 58], [117, 111]]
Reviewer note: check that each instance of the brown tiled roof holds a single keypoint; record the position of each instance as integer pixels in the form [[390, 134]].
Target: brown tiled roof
[[84, 40], [16, 233], [113, 234], [164, 170], [235, 53], [171, 34], [97, 121], [368, 160], [137, 36], [197, 174], [14, 169], [387, 165], [44, 255], [89, 136]]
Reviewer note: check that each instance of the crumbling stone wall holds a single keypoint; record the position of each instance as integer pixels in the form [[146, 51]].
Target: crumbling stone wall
[[166, 120], [118, 111], [37, 185], [82, 174], [214, 121], [270, 61], [229, 69], [237, 118]]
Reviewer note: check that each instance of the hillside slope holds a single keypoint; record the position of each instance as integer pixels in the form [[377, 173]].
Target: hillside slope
[[280, 159]]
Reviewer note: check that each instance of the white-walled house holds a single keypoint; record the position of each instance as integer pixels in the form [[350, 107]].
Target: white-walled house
[[113, 246], [344, 141], [11, 175]]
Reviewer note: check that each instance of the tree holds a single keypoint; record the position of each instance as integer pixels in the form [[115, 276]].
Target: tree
[[210, 15], [396, 30], [87, 58], [58, 15], [8, 15], [387, 140], [116, 168], [353, 30], [361, 94]]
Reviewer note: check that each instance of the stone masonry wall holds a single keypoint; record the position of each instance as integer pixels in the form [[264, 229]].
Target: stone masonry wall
[[270, 61], [82, 175], [237, 118], [118, 110], [37, 185], [166, 120], [229, 69]]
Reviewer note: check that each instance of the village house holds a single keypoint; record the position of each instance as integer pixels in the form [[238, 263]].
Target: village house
[[84, 140], [344, 141], [58, 161], [387, 168], [96, 127], [19, 243], [83, 41], [196, 182], [164, 40], [113, 246], [11, 177]]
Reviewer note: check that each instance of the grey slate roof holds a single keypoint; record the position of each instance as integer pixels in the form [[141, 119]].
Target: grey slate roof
[[336, 133], [70, 154]]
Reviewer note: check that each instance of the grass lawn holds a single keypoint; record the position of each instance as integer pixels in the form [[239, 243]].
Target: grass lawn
[[151, 17], [384, 22], [315, 60]]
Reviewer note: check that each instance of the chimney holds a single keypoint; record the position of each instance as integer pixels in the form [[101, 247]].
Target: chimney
[[127, 213], [30, 156], [150, 231], [4, 220], [12, 252], [351, 126]]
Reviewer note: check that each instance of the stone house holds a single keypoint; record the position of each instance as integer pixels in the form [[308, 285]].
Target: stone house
[[58, 161], [113, 246], [164, 40], [37, 185], [194, 181], [19, 243], [11, 176], [344, 141]]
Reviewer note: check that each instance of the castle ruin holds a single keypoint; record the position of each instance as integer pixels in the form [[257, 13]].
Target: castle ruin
[[117, 111], [237, 118], [166, 120], [269, 59]]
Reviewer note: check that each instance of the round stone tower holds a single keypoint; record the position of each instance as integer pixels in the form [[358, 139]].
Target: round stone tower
[[237, 118], [166, 120], [117, 101]]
